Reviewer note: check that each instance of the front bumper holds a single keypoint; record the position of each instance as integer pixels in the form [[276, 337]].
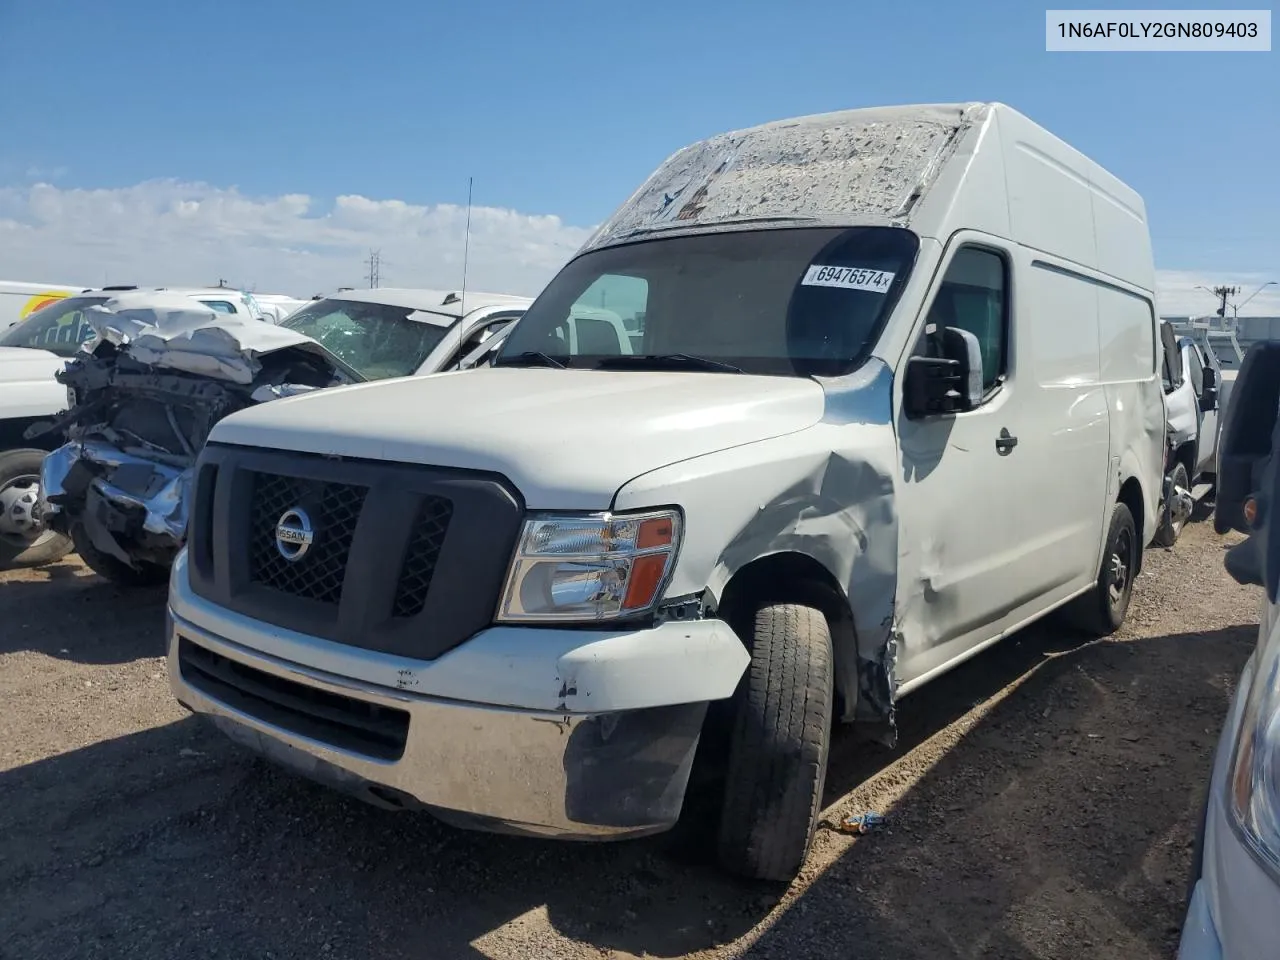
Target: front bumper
[[543, 767]]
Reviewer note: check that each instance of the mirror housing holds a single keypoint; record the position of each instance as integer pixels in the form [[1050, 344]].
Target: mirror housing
[[1248, 468], [948, 384]]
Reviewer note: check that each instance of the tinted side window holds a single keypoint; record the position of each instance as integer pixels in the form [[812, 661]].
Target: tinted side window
[[972, 297], [219, 306]]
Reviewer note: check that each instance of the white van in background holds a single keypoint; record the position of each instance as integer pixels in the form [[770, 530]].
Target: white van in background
[[18, 300], [891, 393]]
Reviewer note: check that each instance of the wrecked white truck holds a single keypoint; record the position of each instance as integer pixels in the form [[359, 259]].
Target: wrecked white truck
[[158, 372], [884, 391]]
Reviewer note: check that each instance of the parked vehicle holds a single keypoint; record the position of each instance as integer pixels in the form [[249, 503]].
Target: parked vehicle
[[32, 352], [894, 395], [1234, 898], [18, 300], [385, 332], [1191, 376], [159, 378]]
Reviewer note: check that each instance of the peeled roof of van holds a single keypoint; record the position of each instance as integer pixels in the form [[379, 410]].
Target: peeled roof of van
[[865, 164]]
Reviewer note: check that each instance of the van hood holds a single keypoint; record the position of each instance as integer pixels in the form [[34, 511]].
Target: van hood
[[568, 439]]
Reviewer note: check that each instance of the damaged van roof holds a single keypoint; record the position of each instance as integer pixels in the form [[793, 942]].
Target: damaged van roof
[[869, 165]]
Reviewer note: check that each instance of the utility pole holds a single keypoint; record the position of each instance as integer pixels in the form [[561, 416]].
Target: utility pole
[[1223, 294], [375, 261]]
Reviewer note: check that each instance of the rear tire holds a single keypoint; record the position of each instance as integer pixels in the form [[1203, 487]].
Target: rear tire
[[1101, 611], [22, 541], [778, 749], [1171, 522], [112, 568]]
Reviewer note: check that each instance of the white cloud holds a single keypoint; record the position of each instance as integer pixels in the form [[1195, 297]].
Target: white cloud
[[176, 233], [1180, 293]]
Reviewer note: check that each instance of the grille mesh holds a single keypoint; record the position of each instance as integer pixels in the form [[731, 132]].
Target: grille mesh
[[334, 509], [420, 558]]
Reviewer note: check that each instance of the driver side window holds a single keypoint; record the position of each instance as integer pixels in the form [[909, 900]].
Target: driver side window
[[973, 296]]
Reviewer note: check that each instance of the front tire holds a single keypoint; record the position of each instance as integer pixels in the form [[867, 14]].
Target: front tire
[[24, 540], [777, 764], [1101, 611]]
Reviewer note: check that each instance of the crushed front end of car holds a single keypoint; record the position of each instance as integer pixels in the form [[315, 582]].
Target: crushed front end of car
[[160, 371]]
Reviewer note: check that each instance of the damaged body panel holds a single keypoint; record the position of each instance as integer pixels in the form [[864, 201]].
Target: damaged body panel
[[889, 393], [158, 374]]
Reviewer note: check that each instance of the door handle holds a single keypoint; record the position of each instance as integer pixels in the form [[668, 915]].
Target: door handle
[[1006, 441]]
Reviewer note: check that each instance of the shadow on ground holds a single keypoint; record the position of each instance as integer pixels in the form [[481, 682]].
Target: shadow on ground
[[1059, 826], [65, 611]]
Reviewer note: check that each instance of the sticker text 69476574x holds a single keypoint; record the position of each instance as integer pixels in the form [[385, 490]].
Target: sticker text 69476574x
[[848, 278]]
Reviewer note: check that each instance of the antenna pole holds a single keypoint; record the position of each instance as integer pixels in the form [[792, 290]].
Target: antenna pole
[[466, 249]]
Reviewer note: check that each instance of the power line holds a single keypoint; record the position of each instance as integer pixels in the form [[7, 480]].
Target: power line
[[375, 263]]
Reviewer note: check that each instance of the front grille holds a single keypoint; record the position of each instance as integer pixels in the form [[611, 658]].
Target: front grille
[[406, 559], [320, 572], [345, 722], [420, 558]]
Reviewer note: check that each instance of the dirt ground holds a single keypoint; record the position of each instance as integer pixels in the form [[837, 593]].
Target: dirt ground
[[1041, 804]]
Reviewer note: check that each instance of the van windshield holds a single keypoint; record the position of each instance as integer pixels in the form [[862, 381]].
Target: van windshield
[[60, 327], [791, 302]]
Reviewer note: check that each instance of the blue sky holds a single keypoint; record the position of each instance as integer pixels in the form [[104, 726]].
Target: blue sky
[[562, 109]]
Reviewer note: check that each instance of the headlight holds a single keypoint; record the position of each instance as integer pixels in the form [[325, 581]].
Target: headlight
[[1254, 781], [590, 566]]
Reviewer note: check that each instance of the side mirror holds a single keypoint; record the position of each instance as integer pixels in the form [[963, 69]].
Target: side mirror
[[948, 384], [1248, 498]]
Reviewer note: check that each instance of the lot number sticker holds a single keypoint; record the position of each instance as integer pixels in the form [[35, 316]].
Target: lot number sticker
[[848, 278]]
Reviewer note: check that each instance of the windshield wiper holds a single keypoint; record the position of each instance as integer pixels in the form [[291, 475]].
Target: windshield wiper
[[530, 358], [660, 360]]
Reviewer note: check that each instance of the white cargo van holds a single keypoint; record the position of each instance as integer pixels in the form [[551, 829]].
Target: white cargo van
[[19, 299], [892, 395]]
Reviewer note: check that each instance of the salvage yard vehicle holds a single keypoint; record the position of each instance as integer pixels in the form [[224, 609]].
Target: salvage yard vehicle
[[158, 372], [1233, 906], [32, 352], [119, 489], [1191, 377], [18, 300], [894, 395], [386, 332]]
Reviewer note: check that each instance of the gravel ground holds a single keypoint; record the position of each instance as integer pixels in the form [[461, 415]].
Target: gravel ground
[[1041, 804]]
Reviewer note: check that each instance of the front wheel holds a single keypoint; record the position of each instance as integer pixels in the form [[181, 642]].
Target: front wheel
[[24, 539], [781, 737], [1101, 611]]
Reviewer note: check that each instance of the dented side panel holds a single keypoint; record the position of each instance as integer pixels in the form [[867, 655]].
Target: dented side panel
[[826, 493]]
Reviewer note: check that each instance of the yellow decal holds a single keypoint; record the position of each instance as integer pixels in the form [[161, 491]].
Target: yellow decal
[[38, 301]]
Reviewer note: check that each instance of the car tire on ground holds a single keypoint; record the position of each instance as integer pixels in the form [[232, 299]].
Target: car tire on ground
[[778, 749], [1170, 527], [19, 496], [1101, 611], [112, 568]]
